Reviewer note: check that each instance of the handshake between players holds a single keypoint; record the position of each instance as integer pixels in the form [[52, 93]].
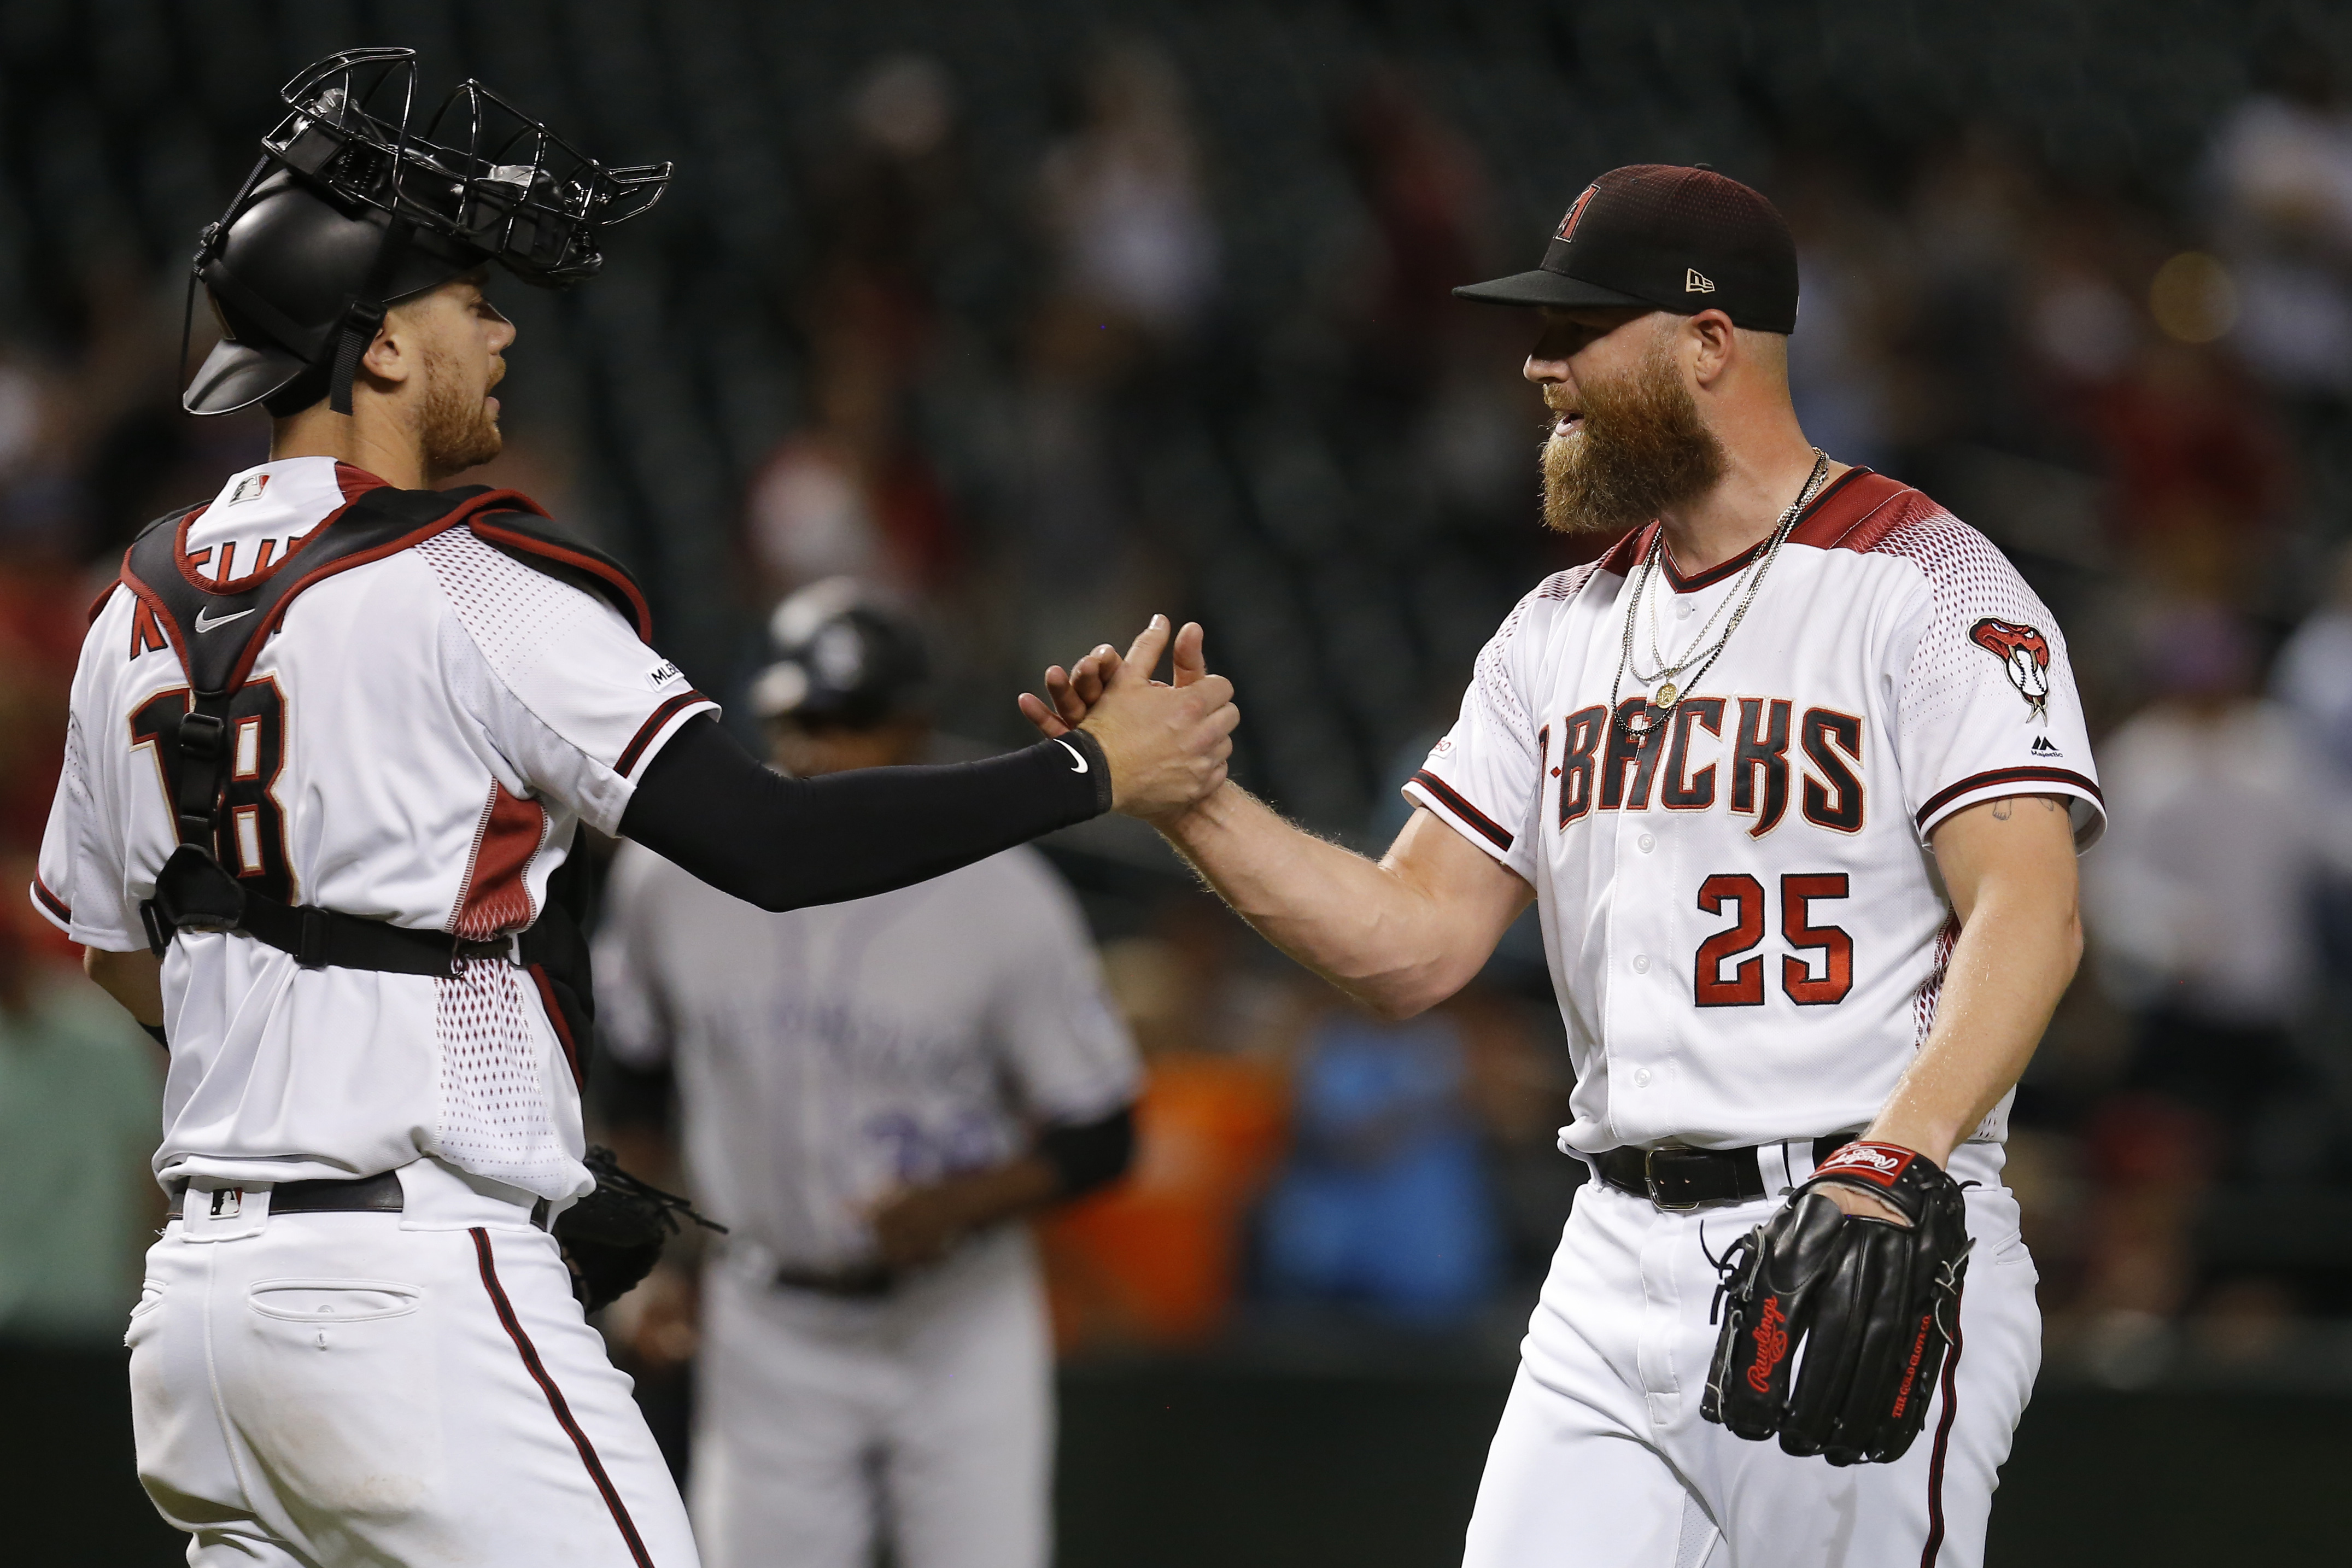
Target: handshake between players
[[1167, 745]]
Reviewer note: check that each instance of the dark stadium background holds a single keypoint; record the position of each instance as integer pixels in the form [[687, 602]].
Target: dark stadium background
[[2081, 269]]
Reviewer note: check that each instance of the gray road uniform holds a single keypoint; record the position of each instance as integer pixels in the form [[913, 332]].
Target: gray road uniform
[[824, 1058]]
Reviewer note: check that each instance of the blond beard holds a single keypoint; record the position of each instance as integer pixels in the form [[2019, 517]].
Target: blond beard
[[457, 431], [1641, 450]]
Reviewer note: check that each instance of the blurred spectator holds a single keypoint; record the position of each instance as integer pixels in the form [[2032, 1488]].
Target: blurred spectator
[[1384, 1202], [1516, 1083], [1426, 195], [853, 493], [1155, 1260], [1124, 203], [2198, 894], [2313, 682], [2280, 171], [2314, 676], [850, 495], [2197, 471], [2197, 904], [1848, 267], [80, 1115]]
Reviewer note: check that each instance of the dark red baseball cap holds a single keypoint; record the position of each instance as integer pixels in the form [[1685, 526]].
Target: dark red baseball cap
[[1661, 235]]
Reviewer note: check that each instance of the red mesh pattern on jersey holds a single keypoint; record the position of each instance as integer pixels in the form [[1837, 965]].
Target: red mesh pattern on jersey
[[508, 609], [497, 1116], [1970, 580], [1490, 678], [1931, 990], [496, 899]]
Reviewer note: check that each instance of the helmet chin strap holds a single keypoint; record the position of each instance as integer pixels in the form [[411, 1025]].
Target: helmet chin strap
[[363, 318]]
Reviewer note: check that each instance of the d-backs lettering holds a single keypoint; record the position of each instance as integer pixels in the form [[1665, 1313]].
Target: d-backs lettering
[[1607, 766]]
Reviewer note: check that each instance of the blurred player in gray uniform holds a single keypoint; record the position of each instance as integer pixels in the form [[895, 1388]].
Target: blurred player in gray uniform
[[872, 1093]]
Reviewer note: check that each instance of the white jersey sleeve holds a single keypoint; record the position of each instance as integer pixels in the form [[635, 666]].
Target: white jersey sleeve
[[1986, 705], [1485, 779], [79, 883], [577, 704], [1065, 1050]]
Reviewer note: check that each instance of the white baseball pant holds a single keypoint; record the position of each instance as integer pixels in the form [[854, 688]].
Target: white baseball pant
[[927, 1415], [329, 1389], [1601, 1459]]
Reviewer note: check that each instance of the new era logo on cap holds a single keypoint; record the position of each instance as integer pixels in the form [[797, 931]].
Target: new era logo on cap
[[1694, 282]]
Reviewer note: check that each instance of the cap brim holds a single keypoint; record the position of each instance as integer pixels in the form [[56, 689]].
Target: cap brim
[[1543, 287], [238, 375]]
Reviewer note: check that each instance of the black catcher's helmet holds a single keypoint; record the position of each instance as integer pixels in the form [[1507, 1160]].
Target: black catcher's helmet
[[839, 657], [355, 203]]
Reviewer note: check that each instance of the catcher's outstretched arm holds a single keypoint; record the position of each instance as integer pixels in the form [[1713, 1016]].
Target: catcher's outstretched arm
[[2008, 865]]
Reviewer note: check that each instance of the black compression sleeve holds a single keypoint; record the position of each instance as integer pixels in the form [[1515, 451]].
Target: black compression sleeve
[[1090, 1154], [706, 803]]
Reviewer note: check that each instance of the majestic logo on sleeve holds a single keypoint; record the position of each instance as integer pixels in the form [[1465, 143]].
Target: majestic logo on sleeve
[[2024, 653]]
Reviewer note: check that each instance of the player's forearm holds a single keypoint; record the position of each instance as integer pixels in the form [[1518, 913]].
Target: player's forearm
[[2020, 940], [707, 806], [134, 979], [1356, 923]]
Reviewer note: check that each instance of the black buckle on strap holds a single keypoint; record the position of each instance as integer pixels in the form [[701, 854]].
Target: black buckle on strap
[[1671, 1188], [201, 736]]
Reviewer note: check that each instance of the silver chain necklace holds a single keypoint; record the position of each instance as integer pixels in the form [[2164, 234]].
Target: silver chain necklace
[[1672, 688]]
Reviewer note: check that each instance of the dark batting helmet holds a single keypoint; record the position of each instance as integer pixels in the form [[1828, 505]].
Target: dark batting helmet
[[840, 656], [357, 203]]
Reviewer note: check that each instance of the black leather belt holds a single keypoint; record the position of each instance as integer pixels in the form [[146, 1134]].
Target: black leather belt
[[863, 1283], [379, 1194], [1675, 1178]]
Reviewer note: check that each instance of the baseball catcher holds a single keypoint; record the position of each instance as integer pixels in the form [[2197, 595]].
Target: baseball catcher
[[335, 737]]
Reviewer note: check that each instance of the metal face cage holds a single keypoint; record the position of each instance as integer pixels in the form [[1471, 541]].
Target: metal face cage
[[478, 172]]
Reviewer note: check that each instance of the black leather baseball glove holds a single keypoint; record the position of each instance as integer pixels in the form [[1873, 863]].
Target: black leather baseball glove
[[1835, 1325], [613, 1237]]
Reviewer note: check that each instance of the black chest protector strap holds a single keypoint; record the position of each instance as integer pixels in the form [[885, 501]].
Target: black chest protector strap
[[218, 635]]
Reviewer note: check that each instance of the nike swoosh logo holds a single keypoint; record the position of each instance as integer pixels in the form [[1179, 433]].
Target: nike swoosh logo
[[1077, 758], [206, 621]]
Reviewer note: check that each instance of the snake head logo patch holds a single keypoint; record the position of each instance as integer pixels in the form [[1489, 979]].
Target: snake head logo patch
[[2024, 655]]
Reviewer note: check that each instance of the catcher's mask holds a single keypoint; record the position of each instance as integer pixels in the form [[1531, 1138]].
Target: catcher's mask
[[357, 204], [839, 656]]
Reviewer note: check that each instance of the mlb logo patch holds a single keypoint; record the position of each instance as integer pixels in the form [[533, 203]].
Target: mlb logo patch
[[248, 489]]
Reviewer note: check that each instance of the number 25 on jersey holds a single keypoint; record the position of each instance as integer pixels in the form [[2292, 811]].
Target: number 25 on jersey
[[1735, 945]]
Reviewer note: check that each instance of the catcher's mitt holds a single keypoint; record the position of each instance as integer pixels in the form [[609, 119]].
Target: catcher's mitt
[[613, 1238], [1835, 1325]]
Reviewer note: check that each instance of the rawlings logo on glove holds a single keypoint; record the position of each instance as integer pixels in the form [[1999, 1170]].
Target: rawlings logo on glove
[[1834, 1326]]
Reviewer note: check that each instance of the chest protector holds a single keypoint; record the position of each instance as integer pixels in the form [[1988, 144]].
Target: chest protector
[[217, 636]]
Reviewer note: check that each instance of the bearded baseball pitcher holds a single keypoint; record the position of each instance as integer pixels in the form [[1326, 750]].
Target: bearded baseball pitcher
[[1797, 775]]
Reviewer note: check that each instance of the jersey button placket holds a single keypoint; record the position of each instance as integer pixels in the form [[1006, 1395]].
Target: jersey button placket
[[1633, 1019]]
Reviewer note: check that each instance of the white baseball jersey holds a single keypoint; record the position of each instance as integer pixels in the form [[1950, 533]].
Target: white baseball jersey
[[416, 744], [828, 1055], [1743, 918]]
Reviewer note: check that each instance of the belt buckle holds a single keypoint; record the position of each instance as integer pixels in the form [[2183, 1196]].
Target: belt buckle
[[1650, 1178]]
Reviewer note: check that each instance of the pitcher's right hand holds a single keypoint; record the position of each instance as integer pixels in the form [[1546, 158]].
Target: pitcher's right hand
[[1167, 745]]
